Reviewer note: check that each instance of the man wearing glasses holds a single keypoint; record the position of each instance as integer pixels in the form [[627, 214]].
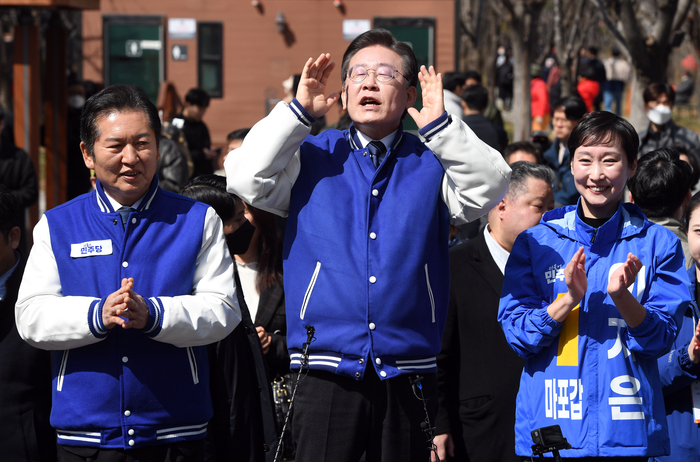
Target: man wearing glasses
[[365, 254]]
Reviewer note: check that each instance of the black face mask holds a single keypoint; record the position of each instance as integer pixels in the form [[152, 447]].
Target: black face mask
[[239, 240]]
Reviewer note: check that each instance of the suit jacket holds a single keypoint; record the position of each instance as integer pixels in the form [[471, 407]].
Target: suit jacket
[[478, 373], [25, 388], [272, 316], [487, 131]]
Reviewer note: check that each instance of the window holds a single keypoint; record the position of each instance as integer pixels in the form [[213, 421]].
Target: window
[[210, 52]]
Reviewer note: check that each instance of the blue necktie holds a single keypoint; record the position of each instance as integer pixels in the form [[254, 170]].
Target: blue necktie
[[376, 152], [124, 213]]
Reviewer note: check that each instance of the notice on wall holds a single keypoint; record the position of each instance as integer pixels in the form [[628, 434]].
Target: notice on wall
[[182, 28], [354, 27]]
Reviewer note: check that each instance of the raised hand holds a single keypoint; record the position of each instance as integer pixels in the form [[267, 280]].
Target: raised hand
[[433, 102], [575, 276], [312, 86], [624, 276]]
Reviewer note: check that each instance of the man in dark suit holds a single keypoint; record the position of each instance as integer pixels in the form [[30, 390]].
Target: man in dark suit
[[478, 373], [25, 372], [475, 100]]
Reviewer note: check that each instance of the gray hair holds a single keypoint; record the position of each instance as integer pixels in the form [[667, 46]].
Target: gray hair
[[521, 171]]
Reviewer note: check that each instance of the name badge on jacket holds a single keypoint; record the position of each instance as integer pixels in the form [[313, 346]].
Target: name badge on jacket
[[91, 248]]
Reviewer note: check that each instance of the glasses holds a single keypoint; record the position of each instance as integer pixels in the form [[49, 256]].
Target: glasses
[[383, 74]]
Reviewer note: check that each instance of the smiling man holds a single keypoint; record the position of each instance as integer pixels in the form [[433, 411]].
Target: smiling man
[[366, 261], [128, 283]]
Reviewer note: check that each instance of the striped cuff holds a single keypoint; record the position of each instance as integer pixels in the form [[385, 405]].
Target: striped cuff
[[155, 317], [95, 322], [299, 111], [435, 127]]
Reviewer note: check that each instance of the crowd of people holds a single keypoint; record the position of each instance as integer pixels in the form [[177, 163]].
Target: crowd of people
[[364, 294]]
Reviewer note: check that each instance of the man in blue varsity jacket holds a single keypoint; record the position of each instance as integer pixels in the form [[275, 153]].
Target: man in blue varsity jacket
[[365, 254], [128, 284]]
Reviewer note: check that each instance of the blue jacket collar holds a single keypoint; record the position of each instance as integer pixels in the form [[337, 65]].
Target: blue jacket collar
[[106, 206], [355, 143], [627, 221]]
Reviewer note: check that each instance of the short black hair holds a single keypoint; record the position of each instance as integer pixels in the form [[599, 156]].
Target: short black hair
[[384, 38], [656, 89], [603, 129], [661, 183], [527, 146], [476, 97], [238, 134], [452, 80], [522, 170], [211, 189], [593, 51], [474, 75], [694, 163], [116, 98], [198, 97], [573, 106], [10, 212]]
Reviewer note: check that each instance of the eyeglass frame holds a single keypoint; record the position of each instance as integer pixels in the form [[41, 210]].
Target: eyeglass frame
[[393, 75]]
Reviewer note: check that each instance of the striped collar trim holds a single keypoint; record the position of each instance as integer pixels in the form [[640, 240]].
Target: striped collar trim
[[105, 205], [355, 143]]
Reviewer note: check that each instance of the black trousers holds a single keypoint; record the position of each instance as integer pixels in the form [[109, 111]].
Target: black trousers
[[339, 419], [185, 451]]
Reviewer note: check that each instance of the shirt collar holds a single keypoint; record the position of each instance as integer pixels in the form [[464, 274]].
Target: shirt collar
[[365, 140], [6, 276], [116, 205], [498, 253]]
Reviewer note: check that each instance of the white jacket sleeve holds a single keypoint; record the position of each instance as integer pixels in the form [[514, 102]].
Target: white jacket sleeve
[[212, 311], [263, 170], [48, 320], [476, 175], [44, 317]]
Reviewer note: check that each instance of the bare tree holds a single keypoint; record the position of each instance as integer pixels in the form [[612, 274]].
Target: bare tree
[[645, 30], [523, 17]]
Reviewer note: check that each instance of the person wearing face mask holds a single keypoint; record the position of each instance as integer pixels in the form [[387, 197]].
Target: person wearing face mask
[[243, 424], [663, 132]]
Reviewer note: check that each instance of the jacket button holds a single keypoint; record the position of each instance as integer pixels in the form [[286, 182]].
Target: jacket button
[[132, 442], [125, 264], [361, 361], [127, 413], [372, 326], [133, 220], [131, 432], [372, 279], [375, 192], [358, 375], [125, 359], [372, 235], [378, 361], [383, 373]]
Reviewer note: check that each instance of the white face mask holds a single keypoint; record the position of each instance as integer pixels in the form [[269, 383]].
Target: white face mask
[[660, 115]]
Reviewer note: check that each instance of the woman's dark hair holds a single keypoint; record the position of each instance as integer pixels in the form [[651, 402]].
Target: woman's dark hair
[[116, 98], [604, 129], [689, 209], [269, 249], [211, 189]]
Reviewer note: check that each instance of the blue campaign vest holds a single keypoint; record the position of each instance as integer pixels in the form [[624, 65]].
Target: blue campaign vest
[[366, 260], [128, 390]]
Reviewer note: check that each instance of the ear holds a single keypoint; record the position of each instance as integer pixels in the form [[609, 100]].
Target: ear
[[13, 237], [501, 208], [464, 106], [631, 199], [343, 98], [633, 168], [87, 158], [412, 95]]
